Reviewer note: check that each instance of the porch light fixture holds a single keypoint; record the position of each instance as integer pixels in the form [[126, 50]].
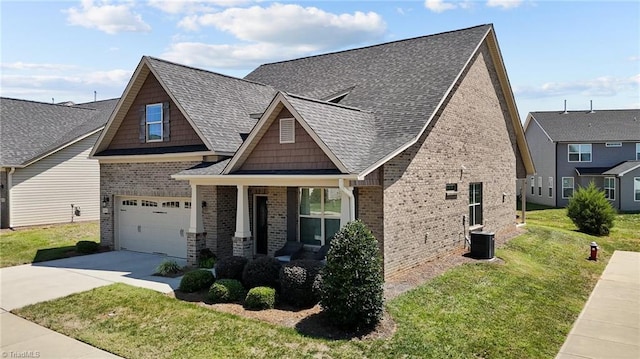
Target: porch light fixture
[[204, 204], [105, 201]]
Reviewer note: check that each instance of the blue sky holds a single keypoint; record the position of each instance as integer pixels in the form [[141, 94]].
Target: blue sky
[[553, 50]]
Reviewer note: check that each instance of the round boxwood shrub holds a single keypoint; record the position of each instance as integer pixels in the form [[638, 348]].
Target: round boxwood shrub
[[196, 280], [261, 272], [226, 291], [351, 288], [260, 298], [230, 267], [87, 247], [590, 211], [297, 280]]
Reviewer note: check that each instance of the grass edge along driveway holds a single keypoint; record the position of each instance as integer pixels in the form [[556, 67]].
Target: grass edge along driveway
[[523, 308]]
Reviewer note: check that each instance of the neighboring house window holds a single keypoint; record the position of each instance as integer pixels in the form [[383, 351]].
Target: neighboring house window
[[287, 130], [579, 152], [610, 188], [636, 189], [145, 203], [550, 187], [533, 185], [613, 144], [567, 187], [187, 205], [319, 215], [539, 186], [637, 151], [475, 204], [154, 122]]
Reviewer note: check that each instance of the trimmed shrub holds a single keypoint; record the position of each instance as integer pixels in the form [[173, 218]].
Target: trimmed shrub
[[590, 211], [168, 267], [261, 272], [226, 291], [207, 263], [230, 267], [260, 298], [297, 280], [87, 247], [351, 288], [196, 280]]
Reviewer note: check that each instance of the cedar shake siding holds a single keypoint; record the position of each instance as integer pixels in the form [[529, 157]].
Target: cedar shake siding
[[270, 154], [128, 135], [474, 130]]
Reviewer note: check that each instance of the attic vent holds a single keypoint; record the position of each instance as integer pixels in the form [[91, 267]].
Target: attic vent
[[287, 130]]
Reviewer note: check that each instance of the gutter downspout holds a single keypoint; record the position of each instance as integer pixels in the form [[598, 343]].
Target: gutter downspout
[[352, 200], [9, 185]]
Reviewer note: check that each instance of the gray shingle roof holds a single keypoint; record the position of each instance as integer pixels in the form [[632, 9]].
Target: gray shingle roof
[[31, 129], [219, 105], [205, 169], [599, 126], [401, 83], [622, 168]]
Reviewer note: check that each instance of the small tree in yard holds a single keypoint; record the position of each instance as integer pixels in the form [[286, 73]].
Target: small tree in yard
[[351, 287], [590, 211]]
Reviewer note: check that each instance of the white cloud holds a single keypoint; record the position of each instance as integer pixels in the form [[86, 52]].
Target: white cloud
[[111, 19], [193, 6], [634, 58], [505, 4], [439, 5], [601, 86], [288, 24]]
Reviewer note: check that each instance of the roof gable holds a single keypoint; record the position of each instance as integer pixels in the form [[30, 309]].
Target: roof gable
[[31, 130], [588, 126]]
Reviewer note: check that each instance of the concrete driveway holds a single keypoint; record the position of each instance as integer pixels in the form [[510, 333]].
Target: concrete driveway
[[38, 282]]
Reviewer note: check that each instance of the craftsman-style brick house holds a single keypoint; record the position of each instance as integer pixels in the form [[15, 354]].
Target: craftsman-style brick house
[[419, 138], [570, 149]]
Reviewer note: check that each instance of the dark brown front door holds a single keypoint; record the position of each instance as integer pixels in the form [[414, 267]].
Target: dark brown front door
[[261, 225]]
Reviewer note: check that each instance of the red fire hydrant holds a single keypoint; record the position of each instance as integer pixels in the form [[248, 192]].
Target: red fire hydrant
[[594, 251]]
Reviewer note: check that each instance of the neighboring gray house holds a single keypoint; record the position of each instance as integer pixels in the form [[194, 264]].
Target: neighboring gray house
[[419, 138], [45, 173], [573, 148]]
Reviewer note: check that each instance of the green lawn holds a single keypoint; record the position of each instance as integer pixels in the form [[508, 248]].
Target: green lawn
[[44, 243], [521, 308]]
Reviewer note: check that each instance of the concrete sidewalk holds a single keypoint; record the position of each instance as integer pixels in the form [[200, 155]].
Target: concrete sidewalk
[[609, 324]]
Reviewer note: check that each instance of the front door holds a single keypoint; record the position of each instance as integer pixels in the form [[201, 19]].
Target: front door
[[261, 225]]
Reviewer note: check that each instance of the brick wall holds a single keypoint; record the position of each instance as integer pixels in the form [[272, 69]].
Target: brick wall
[[369, 210], [226, 220], [473, 130]]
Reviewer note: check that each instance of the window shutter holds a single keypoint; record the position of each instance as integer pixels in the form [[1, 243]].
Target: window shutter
[[287, 130], [165, 122], [143, 125]]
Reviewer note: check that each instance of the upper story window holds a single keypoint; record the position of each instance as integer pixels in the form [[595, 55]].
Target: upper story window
[[637, 151], [579, 152], [613, 144], [154, 122]]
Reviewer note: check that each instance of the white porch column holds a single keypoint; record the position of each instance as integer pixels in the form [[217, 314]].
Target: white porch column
[[347, 204], [195, 221], [242, 213]]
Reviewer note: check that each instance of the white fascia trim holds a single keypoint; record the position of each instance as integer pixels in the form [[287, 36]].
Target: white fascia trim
[[433, 114], [164, 157], [266, 180], [61, 147]]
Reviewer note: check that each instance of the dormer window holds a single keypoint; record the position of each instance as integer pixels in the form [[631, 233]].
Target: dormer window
[[287, 130], [154, 122]]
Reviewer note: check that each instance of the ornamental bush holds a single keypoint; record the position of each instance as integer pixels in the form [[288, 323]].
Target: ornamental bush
[[168, 267], [261, 272], [207, 258], [226, 291], [590, 211], [260, 298], [87, 247], [230, 267], [196, 280], [351, 287], [297, 280]]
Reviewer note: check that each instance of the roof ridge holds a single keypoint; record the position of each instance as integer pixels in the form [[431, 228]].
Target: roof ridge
[[376, 45], [90, 102], [327, 102], [587, 110], [61, 105], [204, 70]]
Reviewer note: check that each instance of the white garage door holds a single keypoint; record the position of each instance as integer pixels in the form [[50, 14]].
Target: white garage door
[[154, 225]]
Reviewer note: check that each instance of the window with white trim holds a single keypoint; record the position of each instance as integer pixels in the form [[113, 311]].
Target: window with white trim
[[475, 204], [610, 188], [579, 152], [539, 186], [637, 151], [550, 185], [613, 144], [287, 130], [636, 189], [533, 185], [567, 187], [320, 210], [153, 122]]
